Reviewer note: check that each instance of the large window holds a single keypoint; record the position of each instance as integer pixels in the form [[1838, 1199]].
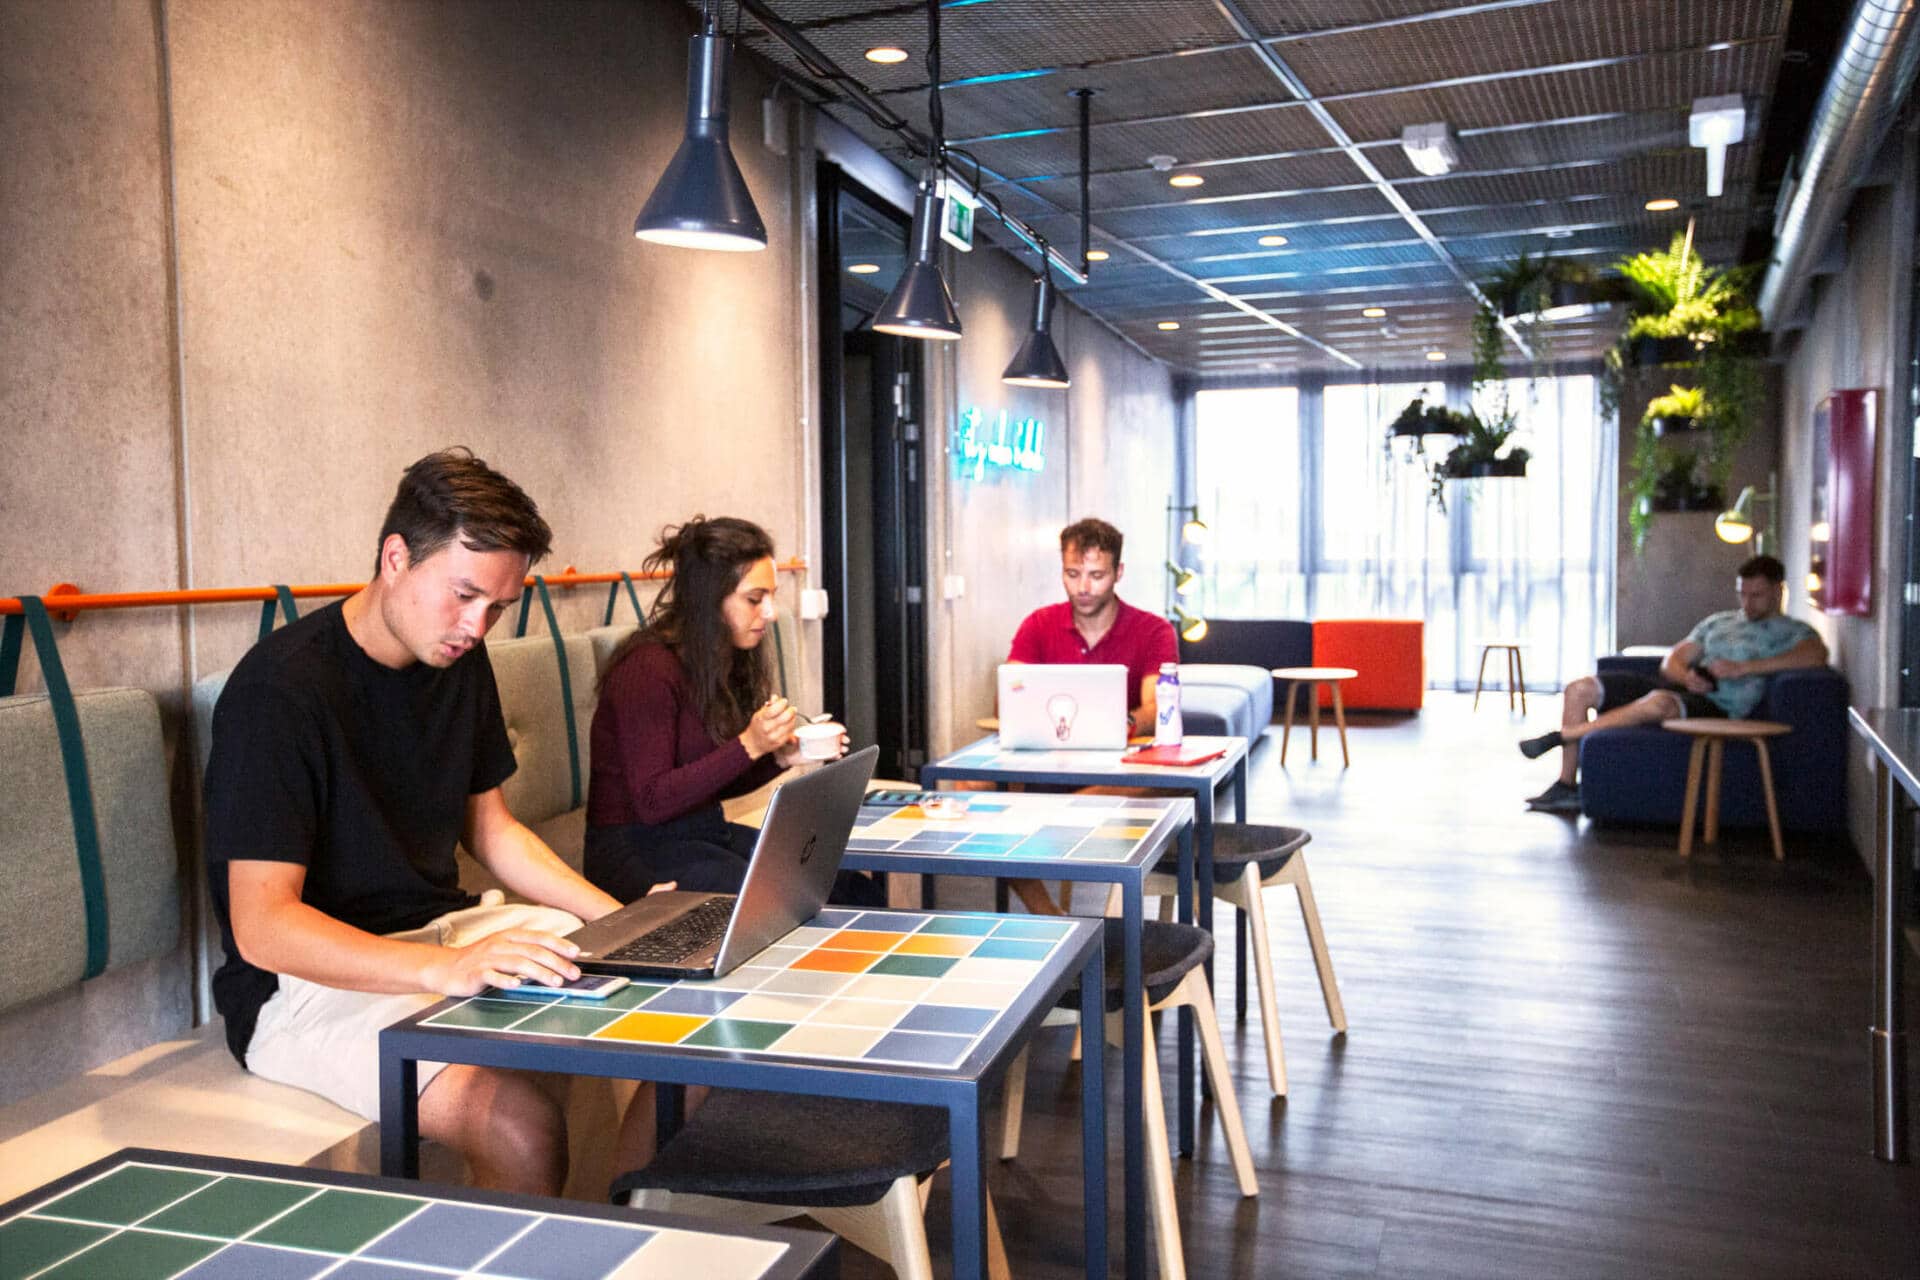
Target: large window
[[1317, 517]]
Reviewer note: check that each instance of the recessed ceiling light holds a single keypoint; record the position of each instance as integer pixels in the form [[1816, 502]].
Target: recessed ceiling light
[[1186, 180], [1436, 356], [1560, 233], [1169, 325], [864, 268], [1373, 313], [1663, 204], [886, 54], [1273, 242], [1098, 255]]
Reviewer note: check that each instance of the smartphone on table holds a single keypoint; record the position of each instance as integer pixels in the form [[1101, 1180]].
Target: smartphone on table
[[588, 986]]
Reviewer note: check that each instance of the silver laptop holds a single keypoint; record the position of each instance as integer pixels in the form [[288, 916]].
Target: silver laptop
[[1046, 707], [706, 935]]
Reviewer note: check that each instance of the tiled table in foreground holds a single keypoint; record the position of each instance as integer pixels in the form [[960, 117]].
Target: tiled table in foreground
[[887, 1006], [163, 1215], [1098, 839], [987, 761]]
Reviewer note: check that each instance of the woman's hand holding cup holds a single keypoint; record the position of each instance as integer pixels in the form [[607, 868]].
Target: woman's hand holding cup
[[771, 728], [815, 741]]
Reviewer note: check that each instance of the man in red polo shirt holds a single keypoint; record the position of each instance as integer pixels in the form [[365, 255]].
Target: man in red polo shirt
[[1094, 625]]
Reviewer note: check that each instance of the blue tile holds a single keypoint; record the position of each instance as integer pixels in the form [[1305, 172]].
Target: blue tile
[[988, 844], [568, 1249], [909, 1046], [685, 999], [918, 845], [999, 948], [1032, 930], [832, 916], [885, 920], [354, 1269], [869, 846], [987, 806], [448, 1235], [949, 1018], [253, 1262]]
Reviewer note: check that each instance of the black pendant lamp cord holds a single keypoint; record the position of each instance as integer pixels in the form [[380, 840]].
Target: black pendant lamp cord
[[936, 118]]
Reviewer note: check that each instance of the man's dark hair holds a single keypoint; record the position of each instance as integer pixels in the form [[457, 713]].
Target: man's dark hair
[[1091, 534], [1763, 567], [452, 492]]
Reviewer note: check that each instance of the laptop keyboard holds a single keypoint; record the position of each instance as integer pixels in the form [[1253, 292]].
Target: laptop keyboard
[[703, 925]]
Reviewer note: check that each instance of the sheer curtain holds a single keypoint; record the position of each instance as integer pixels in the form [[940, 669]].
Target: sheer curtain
[[1316, 517]]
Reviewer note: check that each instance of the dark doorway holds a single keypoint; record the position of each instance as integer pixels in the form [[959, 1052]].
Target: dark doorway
[[872, 497]]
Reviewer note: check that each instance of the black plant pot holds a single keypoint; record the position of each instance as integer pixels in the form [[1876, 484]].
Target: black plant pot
[[1645, 352], [1491, 468], [1416, 430], [1688, 497], [1570, 293], [1750, 345], [1665, 425]]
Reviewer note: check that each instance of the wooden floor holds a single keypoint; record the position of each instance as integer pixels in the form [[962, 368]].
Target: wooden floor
[[1569, 1054]]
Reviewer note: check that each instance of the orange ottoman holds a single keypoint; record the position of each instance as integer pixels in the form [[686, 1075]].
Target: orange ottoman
[[1389, 653]]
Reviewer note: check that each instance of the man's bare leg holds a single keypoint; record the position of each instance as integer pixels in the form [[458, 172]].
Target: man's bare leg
[[511, 1132], [1580, 698]]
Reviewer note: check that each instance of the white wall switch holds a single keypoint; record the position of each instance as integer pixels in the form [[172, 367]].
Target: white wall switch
[[813, 604], [953, 586]]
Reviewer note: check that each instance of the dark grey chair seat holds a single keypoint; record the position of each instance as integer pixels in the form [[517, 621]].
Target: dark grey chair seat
[[789, 1149], [1235, 844], [1168, 953]]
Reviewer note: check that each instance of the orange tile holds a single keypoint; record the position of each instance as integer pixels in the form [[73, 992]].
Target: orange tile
[[937, 944], [862, 940], [835, 961], [652, 1028]]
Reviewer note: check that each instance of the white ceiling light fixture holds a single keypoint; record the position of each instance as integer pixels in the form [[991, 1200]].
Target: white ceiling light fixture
[[1716, 124], [1430, 148]]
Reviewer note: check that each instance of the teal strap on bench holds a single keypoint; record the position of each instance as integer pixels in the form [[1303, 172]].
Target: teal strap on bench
[[566, 684], [73, 759], [283, 597], [613, 597], [526, 603], [779, 658]]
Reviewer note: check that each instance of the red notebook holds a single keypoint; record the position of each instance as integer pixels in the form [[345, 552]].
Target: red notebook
[[1171, 756]]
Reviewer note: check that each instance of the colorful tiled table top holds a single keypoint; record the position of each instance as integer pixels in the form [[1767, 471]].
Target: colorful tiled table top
[[142, 1220], [1107, 829], [987, 754], [880, 987]]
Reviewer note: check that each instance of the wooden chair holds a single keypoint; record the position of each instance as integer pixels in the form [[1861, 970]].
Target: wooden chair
[[1173, 957], [1248, 858], [859, 1169]]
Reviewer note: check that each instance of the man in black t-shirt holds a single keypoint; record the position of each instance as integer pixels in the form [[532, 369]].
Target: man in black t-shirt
[[351, 750]]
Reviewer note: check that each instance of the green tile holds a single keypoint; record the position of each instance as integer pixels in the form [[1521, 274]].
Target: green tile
[[997, 948], [632, 996], [738, 1033], [569, 1020], [29, 1244], [230, 1207], [126, 1195], [961, 926], [339, 1221], [136, 1255], [1036, 930], [914, 966], [488, 1015]]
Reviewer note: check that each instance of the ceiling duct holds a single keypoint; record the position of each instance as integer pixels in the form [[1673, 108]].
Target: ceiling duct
[[1871, 74]]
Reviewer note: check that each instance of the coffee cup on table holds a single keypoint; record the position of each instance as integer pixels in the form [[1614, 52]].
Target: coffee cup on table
[[820, 741]]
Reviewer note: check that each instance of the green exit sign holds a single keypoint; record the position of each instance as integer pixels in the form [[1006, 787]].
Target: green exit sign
[[957, 227]]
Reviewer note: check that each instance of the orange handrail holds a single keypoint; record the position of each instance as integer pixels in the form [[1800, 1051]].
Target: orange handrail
[[64, 600]]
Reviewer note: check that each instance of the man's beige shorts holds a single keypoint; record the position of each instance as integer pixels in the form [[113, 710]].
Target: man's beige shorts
[[327, 1041]]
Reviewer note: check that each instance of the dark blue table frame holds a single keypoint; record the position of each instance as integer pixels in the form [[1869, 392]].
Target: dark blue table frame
[[1197, 782], [1175, 823], [811, 1255], [958, 1091]]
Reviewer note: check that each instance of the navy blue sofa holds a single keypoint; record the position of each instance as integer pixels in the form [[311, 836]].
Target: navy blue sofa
[[1640, 774]]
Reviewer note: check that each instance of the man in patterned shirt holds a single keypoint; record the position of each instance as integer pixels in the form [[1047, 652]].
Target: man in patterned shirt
[[1720, 669]]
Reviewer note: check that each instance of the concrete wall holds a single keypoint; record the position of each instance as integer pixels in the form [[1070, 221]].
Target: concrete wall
[[1111, 441], [1861, 336], [257, 257]]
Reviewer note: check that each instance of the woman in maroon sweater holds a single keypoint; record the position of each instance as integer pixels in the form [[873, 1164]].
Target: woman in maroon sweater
[[687, 718]]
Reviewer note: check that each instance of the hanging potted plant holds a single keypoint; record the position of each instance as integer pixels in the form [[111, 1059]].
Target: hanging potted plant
[[1682, 306], [1422, 419], [1665, 479], [1487, 451], [1681, 409], [1520, 288]]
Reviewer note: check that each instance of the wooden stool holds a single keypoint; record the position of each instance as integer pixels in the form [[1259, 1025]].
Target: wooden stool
[[1516, 672], [1710, 739], [1311, 678]]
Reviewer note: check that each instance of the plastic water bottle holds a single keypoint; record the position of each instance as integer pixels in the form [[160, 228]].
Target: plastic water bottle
[[1167, 729]]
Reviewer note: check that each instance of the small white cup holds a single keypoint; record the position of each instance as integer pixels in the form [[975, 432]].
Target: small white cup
[[819, 741]]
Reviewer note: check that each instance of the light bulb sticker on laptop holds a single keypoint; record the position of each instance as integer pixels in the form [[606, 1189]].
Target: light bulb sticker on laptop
[[1061, 709]]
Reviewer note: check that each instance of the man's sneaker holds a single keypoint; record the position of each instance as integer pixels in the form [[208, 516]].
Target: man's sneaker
[[1561, 797], [1534, 748]]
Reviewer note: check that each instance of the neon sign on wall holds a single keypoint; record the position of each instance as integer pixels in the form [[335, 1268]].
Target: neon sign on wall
[[1017, 445]]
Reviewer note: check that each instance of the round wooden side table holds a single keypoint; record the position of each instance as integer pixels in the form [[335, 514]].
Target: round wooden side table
[[1516, 671], [1710, 738], [1310, 679]]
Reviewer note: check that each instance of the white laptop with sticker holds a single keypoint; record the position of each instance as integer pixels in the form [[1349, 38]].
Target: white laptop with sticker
[[1063, 708]]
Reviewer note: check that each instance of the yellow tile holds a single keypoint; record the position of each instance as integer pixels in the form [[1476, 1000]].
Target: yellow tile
[[652, 1028], [937, 944]]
